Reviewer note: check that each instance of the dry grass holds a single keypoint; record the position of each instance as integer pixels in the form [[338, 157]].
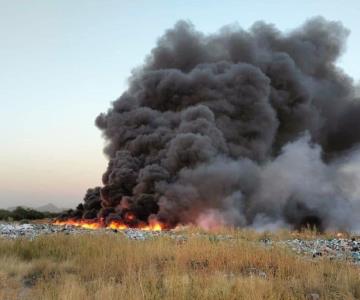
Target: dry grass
[[204, 267]]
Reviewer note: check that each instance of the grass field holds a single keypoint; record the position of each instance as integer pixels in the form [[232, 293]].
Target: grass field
[[203, 267]]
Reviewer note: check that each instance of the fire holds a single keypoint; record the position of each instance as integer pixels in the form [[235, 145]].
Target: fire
[[118, 225], [80, 223]]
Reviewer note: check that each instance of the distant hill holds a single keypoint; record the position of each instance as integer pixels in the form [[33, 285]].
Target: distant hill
[[43, 208]]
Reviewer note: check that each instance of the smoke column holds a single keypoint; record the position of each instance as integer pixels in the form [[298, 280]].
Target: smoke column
[[242, 127]]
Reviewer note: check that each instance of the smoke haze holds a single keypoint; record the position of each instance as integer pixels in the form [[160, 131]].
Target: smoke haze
[[242, 127]]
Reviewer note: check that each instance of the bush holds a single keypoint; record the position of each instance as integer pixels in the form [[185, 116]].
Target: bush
[[5, 214], [21, 213]]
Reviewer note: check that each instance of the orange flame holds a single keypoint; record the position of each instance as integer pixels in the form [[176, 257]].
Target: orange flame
[[118, 225]]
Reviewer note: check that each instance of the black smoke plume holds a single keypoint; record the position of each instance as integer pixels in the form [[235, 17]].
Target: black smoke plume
[[242, 127]]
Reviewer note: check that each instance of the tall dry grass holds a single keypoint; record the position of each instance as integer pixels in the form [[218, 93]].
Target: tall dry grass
[[204, 267]]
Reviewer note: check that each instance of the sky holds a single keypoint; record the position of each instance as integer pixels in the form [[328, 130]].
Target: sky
[[63, 61]]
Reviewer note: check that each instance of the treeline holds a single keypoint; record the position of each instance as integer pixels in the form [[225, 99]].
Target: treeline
[[21, 213]]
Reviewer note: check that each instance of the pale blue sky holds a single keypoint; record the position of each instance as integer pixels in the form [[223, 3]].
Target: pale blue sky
[[63, 61]]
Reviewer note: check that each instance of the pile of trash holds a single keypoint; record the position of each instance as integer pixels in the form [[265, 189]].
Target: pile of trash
[[336, 248], [14, 231]]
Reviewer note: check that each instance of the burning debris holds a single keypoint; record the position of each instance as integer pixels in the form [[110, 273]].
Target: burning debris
[[245, 128], [116, 225]]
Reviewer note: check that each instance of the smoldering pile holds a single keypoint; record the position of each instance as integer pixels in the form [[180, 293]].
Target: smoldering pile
[[242, 127]]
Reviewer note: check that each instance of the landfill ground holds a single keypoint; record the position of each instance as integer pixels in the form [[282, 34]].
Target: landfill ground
[[44, 261]]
